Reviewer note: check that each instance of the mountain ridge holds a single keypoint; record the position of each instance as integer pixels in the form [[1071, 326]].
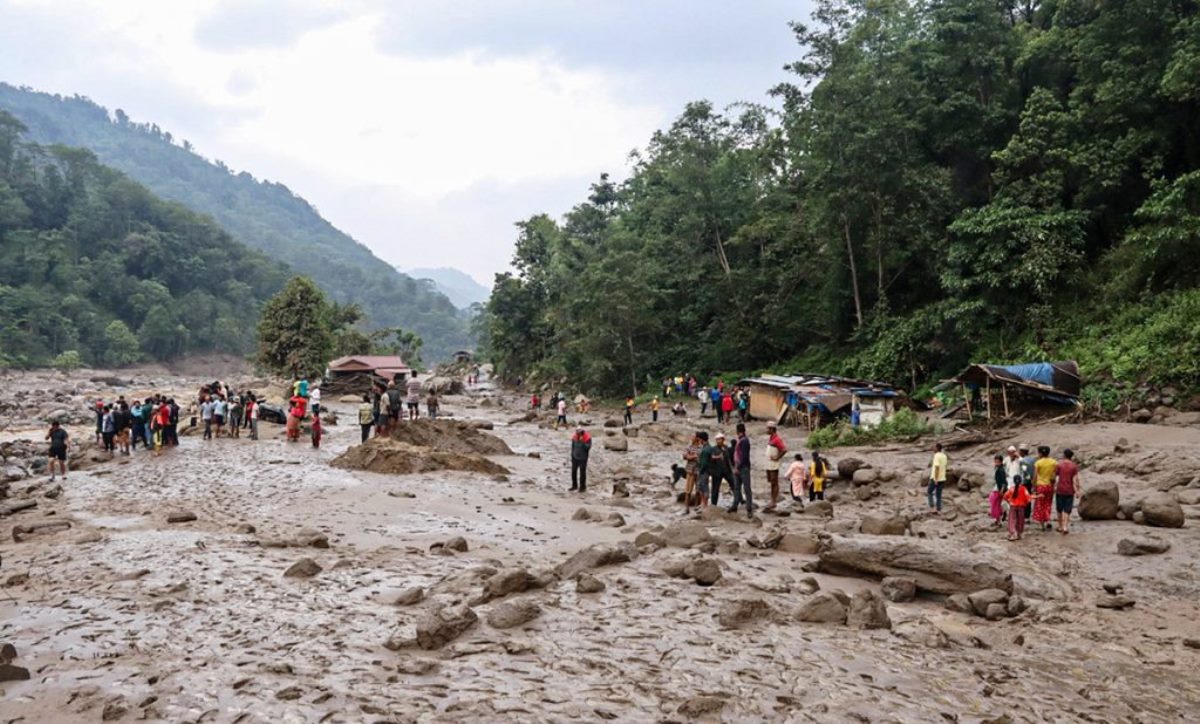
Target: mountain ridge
[[460, 288]]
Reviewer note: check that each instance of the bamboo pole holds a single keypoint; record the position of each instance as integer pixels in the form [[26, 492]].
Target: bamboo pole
[[989, 398], [1004, 394], [967, 400]]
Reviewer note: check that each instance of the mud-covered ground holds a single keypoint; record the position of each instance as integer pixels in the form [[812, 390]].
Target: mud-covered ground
[[126, 616]]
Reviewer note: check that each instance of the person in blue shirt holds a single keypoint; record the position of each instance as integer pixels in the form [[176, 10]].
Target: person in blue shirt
[[715, 396]]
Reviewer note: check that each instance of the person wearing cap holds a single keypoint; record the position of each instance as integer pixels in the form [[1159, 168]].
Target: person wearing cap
[[776, 449], [1066, 490], [1027, 472], [721, 468], [581, 447], [937, 479], [741, 472]]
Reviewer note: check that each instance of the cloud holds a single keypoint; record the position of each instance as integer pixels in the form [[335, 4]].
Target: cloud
[[251, 24]]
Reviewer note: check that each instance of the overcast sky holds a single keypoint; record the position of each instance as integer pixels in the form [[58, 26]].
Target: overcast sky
[[424, 128]]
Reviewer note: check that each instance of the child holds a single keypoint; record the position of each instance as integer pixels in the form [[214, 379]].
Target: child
[[1017, 498], [797, 475], [316, 429]]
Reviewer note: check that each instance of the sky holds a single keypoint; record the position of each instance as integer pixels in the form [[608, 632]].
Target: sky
[[424, 129]]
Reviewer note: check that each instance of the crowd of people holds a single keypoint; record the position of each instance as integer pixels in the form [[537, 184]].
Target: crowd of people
[[123, 426], [387, 405]]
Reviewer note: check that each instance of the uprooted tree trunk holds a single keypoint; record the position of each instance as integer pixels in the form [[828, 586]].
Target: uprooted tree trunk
[[934, 565]]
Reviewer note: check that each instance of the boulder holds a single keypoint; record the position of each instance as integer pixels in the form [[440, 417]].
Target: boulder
[[980, 600], [865, 476], [438, 628], [309, 538], [922, 631], [513, 613], [808, 585], [303, 568], [1016, 605], [959, 602], [847, 467], [1142, 415], [1100, 501], [457, 543], [705, 571], [898, 589], [409, 596], [647, 538], [822, 607], [878, 525], [442, 385], [587, 583], [1162, 510], [595, 556], [616, 444], [743, 612], [868, 611], [819, 508], [1115, 601], [686, 534], [1141, 545], [583, 514], [701, 706], [630, 431], [940, 566], [996, 611], [615, 520], [865, 493], [802, 543], [505, 583]]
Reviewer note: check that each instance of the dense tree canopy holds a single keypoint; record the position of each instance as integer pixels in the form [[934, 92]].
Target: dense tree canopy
[[943, 180], [93, 263]]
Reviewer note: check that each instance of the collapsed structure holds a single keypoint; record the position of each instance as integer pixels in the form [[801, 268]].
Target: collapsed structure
[[1005, 390], [813, 400], [356, 373]]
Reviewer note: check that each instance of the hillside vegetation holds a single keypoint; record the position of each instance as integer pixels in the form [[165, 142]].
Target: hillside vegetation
[[264, 215], [945, 182], [95, 269]]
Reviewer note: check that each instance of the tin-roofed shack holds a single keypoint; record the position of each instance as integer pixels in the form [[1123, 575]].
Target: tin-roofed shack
[[1005, 390], [813, 400], [356, 373]]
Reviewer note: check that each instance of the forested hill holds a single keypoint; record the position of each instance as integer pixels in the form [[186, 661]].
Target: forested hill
[[945, 182], [264, 215], [95, 269]]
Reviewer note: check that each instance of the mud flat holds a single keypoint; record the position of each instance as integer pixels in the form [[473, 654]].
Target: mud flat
[[231, 580]]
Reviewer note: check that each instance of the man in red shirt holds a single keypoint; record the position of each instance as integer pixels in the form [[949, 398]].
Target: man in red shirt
[[1068, 487], [776, 449]]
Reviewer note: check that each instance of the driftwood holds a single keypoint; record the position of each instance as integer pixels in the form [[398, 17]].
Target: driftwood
[[17, 507], [20, 531]]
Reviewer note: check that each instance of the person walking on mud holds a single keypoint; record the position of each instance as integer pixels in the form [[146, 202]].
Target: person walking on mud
[[817, 470], [581, 447], [937, 480], [1068, 487], [59, 439], [691, 471], [654, 405], [562, 414], [703, 469], [776, 449], [742, 489], [366, 416], [629, 410], [1017, 496], [1045, 472]]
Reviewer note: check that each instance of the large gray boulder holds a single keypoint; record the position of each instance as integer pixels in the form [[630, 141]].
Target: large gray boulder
[[1100, 501], [595, 556], [1162, 510], [822, 607], [1141, 545], [868, 611], [438, 628]]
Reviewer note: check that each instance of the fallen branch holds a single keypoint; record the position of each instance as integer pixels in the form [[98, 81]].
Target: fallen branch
[[20, 531], [17, 507]]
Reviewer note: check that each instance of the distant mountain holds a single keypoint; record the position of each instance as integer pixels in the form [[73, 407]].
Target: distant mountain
[[461, 288], [95, 269], [262, 214]]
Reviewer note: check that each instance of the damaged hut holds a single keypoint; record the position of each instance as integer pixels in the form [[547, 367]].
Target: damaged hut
[[813, 400], [1006, 390], [356, 373]]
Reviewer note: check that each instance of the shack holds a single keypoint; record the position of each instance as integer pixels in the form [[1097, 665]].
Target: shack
[[463, 356], [813, 400], [1005, 390], [357, 372]]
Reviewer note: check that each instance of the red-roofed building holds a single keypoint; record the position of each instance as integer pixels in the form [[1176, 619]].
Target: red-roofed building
[[385, 366]]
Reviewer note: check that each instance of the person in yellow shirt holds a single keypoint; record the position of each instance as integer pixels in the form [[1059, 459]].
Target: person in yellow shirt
[[1045, 472], [937, 479], [654, 410], [817, 471]]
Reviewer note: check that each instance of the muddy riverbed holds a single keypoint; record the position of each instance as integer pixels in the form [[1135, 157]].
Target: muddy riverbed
[[555, 614]]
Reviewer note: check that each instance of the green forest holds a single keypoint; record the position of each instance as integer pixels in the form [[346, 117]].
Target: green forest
[[941, 182], [264, 215], [95, 269]]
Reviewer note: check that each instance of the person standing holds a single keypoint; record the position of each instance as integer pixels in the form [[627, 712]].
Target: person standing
[[172, 423], [721, 468], [162, 423], [562, 414], [138, 421], [316, 430], [1017, 497], [1045, 472], [59, 439], [937, 479], [235, 416], [797, 475], [108, 429], [121, 423], [776, 449], [727, 408], [1068, 487], [314, 397], [414, 396], [581, 447], [431, 404], [742, 489], [629, 410], [996, 497], [220, 407], [252, 417], [654, 410], [99, 422], [366, 416], [704, 400], [1027, 474], [389, 407], [704, 468], [714, 396], [691, 469]]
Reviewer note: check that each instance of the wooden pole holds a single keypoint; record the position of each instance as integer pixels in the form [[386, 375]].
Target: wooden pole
[[1004, 394], [967, 400], [989, 398]]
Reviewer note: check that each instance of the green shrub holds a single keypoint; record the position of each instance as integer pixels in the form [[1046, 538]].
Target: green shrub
[[903, 425], [68, 360]]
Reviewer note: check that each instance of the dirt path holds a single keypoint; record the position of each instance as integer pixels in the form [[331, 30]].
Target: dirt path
[[126, 616]]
